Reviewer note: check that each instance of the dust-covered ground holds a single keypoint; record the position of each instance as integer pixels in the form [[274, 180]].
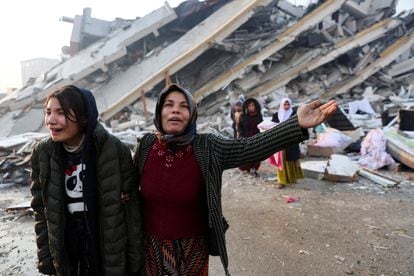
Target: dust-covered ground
[[354, 228]]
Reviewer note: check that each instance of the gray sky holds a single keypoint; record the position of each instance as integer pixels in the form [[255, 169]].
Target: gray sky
[[31, 29]]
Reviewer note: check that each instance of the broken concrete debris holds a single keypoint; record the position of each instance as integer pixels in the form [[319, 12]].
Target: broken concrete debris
[[220, 49], [358, 52], [378, 178], [341, 168], [14, 158]]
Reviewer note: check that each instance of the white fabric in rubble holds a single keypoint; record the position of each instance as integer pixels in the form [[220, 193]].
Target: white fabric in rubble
[[266, 125], [362, 105], [373, 151], [333, 138]]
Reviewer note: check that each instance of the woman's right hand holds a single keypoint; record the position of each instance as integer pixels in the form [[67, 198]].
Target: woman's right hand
[[314, 113]]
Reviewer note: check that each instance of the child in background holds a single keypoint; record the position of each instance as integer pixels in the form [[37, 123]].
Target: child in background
[[251, 116], [289, 170]]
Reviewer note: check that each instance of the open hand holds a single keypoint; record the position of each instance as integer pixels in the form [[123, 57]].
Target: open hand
[[314, 113]]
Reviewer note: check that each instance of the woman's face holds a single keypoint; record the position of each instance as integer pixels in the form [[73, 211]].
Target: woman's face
[[175, 113], [61, 129], [251, 107], [286, 105]]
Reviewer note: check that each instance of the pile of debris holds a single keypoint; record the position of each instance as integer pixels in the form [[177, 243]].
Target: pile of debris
[[15, 153], [220, 49], [353, 51]]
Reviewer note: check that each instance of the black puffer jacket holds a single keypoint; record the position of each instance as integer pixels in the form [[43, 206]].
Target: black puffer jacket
[[120, 224], [112, 172]]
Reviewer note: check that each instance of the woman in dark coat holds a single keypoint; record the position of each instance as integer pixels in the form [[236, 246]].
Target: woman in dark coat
[[289, 169], [84, 194], [249, 119], [180, 172]]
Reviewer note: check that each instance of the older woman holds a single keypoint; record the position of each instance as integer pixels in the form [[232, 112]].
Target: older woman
[[181, 172]]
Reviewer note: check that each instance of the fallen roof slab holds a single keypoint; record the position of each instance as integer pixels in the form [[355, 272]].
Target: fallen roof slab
[[386, 57], [282, 40], [127, 87], [106, 50], [362, 38]]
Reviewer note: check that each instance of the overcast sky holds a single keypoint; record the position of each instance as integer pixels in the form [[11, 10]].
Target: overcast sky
[[31, 29]]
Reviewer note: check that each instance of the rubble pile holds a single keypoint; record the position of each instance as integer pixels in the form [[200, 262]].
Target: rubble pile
[[220, 49], [15, 153]]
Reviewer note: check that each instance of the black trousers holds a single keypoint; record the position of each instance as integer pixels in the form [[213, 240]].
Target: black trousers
[[81, 246]]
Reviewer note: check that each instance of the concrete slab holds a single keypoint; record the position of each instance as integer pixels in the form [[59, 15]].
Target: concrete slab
[[6, 123], [314, 169], [125, 88], [106, 50], [31, 121]]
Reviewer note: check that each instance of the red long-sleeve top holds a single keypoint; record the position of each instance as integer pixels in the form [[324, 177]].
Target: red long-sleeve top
[[174, 194]]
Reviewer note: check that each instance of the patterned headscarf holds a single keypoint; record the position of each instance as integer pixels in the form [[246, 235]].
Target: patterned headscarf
[[283, 114], [186, 136]]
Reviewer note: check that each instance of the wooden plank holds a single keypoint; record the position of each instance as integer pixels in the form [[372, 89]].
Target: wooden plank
[[378, 178]]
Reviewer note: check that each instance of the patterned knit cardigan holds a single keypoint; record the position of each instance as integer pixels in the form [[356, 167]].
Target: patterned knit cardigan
[[216, 154]]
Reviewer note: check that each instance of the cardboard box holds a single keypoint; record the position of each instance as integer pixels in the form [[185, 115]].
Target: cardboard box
[[323, 151]]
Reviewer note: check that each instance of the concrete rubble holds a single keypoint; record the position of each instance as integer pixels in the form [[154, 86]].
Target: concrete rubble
[[357, 52]]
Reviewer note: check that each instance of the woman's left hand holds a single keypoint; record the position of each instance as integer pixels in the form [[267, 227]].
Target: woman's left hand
[[314, 113]]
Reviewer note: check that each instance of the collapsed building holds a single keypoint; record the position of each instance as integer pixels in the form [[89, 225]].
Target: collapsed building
[[220, 49]]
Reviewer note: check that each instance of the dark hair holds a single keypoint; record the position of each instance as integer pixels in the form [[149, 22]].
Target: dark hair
[[73, 104]]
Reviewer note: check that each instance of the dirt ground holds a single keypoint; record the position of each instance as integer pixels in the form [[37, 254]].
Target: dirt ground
[[354, 228]]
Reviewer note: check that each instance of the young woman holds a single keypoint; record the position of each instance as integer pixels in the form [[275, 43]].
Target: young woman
[[180, 178], [249, 120], [290, 169], [83, 183]]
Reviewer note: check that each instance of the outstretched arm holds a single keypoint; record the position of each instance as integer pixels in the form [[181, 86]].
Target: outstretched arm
[[314, 113]]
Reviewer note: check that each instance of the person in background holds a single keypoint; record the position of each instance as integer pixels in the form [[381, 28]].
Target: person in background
[[181, 177], [251, 116], [84, 193], [235, 117], [288, 170]]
